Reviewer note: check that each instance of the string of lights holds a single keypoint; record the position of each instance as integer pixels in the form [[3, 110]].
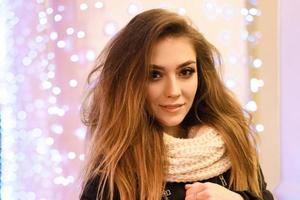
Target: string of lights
[[250, 13]]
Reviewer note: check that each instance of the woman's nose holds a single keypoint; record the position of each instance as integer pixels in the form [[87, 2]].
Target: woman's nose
[[172, 88]]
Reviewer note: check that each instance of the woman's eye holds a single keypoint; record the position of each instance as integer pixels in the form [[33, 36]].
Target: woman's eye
[[187, 72], [154, 75]]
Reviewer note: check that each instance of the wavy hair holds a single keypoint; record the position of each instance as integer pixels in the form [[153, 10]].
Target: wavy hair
[[126, 149]]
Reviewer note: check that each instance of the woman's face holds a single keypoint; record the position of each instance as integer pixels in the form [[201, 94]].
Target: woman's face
[[173, 81]]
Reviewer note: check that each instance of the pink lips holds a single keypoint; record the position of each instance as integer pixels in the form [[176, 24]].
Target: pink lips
[[171, 107]]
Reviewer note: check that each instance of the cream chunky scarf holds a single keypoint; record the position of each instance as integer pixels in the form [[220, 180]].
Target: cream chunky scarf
[[199, 157]]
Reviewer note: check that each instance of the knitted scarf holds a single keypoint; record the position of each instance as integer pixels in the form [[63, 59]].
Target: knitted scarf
[[199, 157]]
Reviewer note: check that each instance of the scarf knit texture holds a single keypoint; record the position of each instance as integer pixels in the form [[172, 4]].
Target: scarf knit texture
[[199, 157]]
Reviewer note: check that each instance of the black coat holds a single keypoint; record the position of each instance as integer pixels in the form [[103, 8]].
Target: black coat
[[176, 191]]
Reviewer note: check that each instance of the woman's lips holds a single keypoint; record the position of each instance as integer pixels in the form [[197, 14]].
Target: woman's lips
[[171, 107]]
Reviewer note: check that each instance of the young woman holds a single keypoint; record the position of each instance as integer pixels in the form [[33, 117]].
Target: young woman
[[162, 125]]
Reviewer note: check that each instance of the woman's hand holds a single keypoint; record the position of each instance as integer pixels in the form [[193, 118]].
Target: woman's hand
[[209, 191]]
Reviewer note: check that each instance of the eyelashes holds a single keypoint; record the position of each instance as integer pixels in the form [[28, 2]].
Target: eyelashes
[[186, 72], [155, 75]]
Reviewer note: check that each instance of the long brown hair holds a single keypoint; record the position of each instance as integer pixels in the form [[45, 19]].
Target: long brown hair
[[126, 148]]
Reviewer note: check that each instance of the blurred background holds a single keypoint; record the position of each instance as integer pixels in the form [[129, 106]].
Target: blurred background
[[47, 48]]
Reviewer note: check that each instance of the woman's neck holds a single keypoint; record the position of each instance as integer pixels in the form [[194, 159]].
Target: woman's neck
[[176, 131]]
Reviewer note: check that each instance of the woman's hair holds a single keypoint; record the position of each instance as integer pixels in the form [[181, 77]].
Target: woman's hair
[[126, 149]]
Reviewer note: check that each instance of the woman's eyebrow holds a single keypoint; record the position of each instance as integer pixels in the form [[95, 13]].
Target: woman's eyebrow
[[154, 66]]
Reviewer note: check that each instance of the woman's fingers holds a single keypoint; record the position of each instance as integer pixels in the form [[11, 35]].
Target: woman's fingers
[[188, 186], [212, 191], [197, 196], [192, 189]]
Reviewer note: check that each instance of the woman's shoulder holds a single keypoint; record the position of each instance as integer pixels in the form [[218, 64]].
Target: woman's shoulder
[[90, 189]]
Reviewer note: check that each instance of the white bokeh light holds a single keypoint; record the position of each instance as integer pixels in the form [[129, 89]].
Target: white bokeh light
[[49, 11], [73, 83], [53, 35], [46, 85], [255, 84], [61, 44], [253, 11], [83, 6], [70, 31], [71, 155], [27, 61], [60, 8], [57, 128], [99, 4], [81, 34], [56, 90], [182, 11], [249, 18], [57, 17], [81, 157], [74, 58], [244, 11], [257, 63], [133, 9], [90, 55], [49, 141], [110, 28], [230, 83], [259, 128], [251, 106]]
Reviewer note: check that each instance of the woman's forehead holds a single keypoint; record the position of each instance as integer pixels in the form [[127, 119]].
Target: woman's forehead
[[172, 51]]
